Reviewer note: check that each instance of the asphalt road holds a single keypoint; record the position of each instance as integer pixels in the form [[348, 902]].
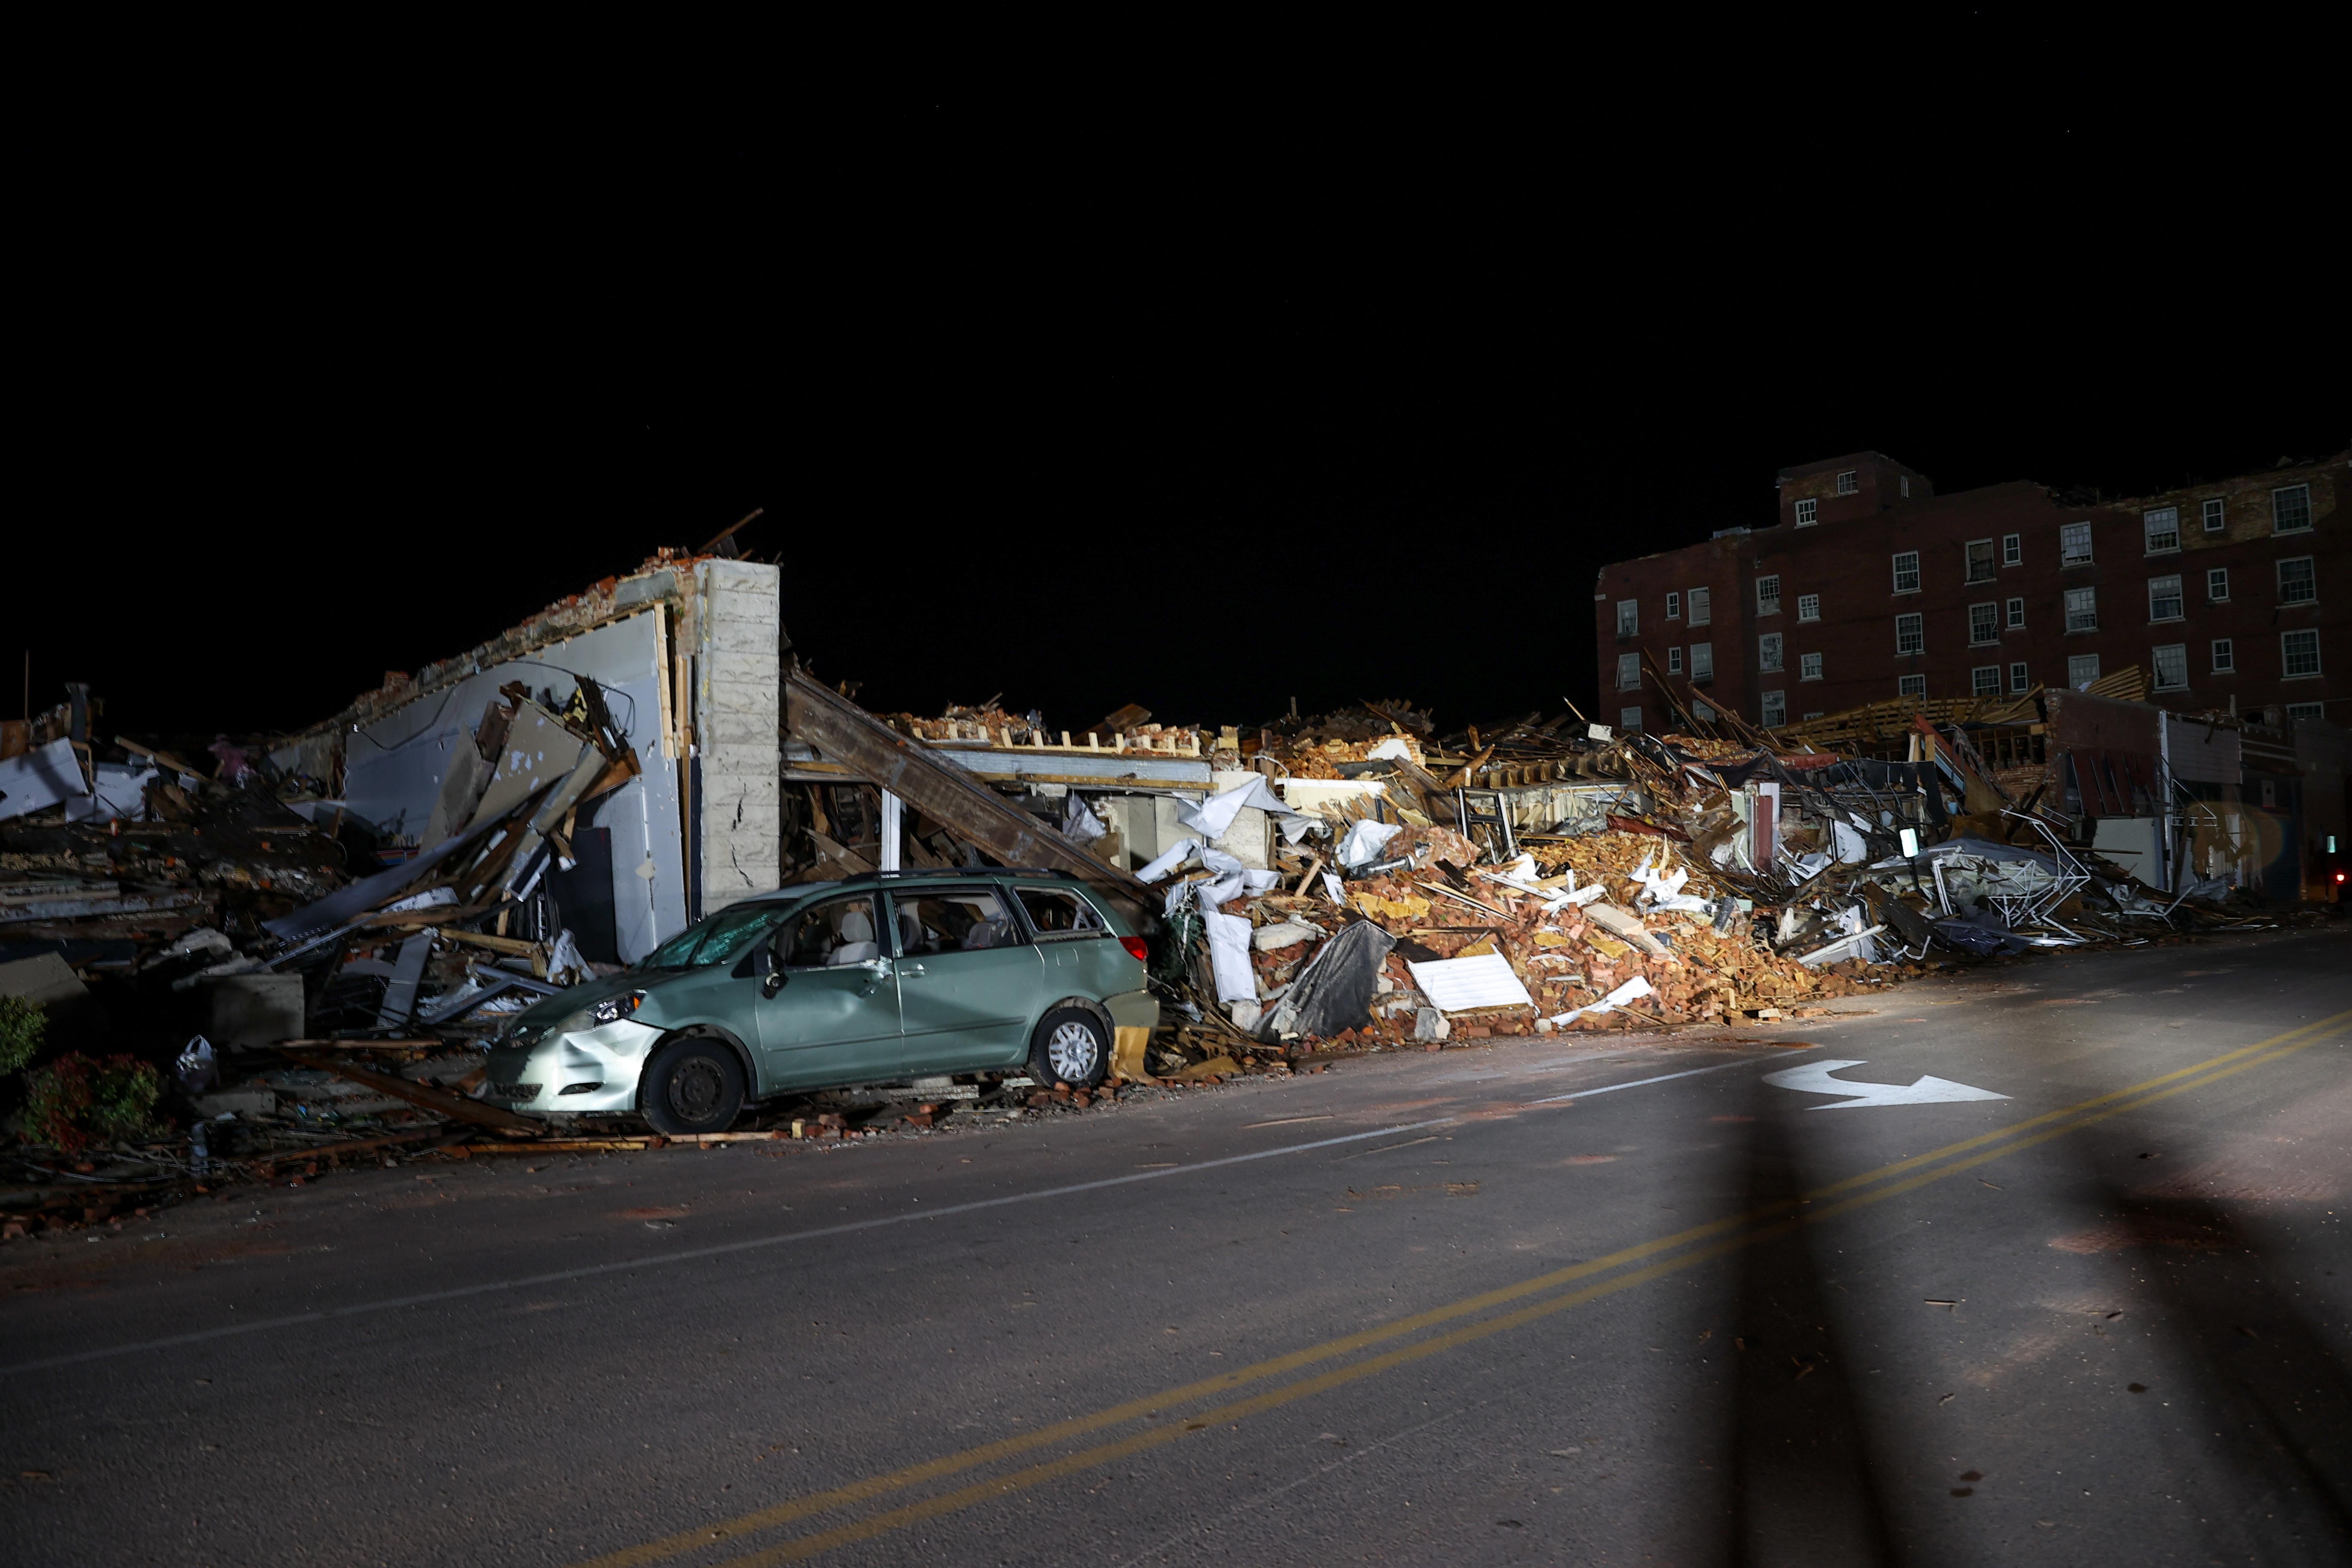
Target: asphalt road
[[1536, 1302]]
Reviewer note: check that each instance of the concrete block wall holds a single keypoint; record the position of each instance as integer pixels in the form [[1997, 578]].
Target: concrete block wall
[[738, 707]]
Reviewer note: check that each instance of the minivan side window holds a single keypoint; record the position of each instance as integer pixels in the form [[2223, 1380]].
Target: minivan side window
[[952, 920], [828, 935], [1058, 912]]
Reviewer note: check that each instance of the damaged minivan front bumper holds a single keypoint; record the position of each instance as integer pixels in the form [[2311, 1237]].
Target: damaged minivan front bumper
[[571, 1072]]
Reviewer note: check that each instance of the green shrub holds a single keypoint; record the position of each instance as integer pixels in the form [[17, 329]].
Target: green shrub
[[74, 1102], [22, 1024]]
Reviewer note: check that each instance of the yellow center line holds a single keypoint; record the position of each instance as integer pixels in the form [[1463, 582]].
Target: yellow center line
[[2008, 1140]]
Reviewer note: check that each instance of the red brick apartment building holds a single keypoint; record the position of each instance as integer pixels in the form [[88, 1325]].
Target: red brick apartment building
[[1870, 586]]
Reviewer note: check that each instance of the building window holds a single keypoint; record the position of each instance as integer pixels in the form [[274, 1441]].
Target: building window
[[2017, 682], [2214, 521], [1910, 634], [2081, 669], [1809, 607], [1911, 686], [1629, 618], [1776, 708], [1674, 661], [2163, 529], [1768, 596], [1906, 481], [2217, 586], [1980, 567], [1907, 572], [1768, 653], [1809, 513], [2164, 598], [2082, 609], [1702, 657], [1629, 718], [2225, 656], [1629, 671], [1984, 680], [2300, 652], [1673, 606], [2291, 509], [2309, 710], [1701, 602], [1849, 483], [2171, 667], [2016, 613], [1809, 666], [1815, 713], [2074, 544], [2298, 585], [1984, 623], [2012, 550]]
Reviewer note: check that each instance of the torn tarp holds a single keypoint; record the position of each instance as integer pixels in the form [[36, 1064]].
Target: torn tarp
[[1214, 818], [1335, 990]]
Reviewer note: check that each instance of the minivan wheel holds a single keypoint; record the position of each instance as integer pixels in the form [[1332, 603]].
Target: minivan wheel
[[691, 1086], [1069, 1048]]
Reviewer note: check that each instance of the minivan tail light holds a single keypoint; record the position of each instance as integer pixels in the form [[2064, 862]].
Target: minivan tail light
[[1135, 949]]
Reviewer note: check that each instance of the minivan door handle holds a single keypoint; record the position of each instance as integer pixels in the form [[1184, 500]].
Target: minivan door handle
[[910, 972]]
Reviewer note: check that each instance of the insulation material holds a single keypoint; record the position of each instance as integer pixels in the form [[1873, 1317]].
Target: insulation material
[[1460, 984]]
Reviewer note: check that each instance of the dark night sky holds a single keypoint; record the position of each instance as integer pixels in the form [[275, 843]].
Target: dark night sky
[[1193, 405]]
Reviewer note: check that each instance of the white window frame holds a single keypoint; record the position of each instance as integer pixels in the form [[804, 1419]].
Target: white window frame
[[1915, 625], [1816, 713], [1968, 560], [1809, 666], [2310, 579], [2308, 711], [1809, 511], [2160, 529], [2081, 669], [2019, 677], [1768, 595], [1910, 686], [1674, 604], [1984, 680], [2157, 596], [2069, 535], [1674, 660], [1629, 618], [2225, 655], [1773, 709], [2082, 610], [1809, 607], [1769, 656], [1984, 619], [2216, 584], [1629, 718], [2013, 614], [2215, 512], [1700, 602], [1901, 571], [2176, 655], [2301, 504], [2301, 637], [1849, 483], [1629, 671], [1702, 661], [1904, 480], [2012, 550]]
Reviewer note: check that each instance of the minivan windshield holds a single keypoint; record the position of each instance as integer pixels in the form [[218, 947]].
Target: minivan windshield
[[720, 938]]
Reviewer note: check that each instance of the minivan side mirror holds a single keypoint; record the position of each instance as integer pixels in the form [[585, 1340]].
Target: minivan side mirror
[[774, 983]]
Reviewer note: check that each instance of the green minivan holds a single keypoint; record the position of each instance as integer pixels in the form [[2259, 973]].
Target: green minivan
[[875, 980]]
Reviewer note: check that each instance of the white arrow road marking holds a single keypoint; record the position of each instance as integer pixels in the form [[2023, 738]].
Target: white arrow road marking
[[1814, 1078]]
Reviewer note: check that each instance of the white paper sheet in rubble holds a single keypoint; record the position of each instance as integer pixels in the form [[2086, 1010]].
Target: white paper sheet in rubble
[[1458, 984], [1632, 990], [1364, 840]]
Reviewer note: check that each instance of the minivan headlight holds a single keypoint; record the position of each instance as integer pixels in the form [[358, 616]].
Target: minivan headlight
[[608, 1010]]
